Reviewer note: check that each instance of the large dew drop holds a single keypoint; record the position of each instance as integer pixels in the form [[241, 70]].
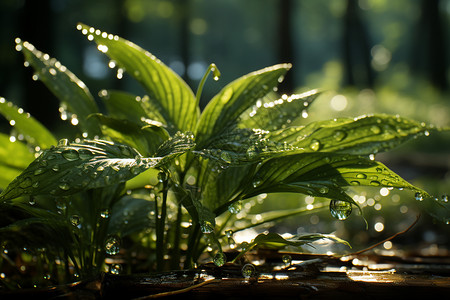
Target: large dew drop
[[235, 208], [220, 259], [315, 145], [340, 210], [112, 245], [206, 227], [70, 154], [248, 271]]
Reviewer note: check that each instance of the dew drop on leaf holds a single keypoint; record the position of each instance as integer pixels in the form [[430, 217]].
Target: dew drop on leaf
[[418, 196], [375, 129], [64, 186], [323, 190], [229, 233], [315, 145], [38, 171], [339, 135], [32, 201], [75, 220], [444, 198], [104, 214], [235, 207], [361, 176], [70, 154], [206, 227], [112, 245], [116, 269], [248, 270], [340, 210], [63, 142], [220, 259], [375, 183], [287, 259], [26, 182]]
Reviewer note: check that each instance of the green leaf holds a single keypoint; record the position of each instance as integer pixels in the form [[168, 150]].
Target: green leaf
[[70, 168], [321, 175], [222, 112], [275, 241], [32, 130], [279, 113], [71, 91], [14, 158], [116, 101], [180, 143], [145, 139], [169, 95], [364, 135]]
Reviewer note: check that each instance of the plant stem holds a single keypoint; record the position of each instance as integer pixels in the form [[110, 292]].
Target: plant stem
[[175, 258], [160, 225], [212, 68]]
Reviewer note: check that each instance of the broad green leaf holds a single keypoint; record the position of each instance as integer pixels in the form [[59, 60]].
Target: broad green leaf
[[145, 139], [321, 175], [276, 241], [71, 91], [70, 168], [279, 113], [32, 130], [364, 135], [168, 94], [14, 158], [122, 105], [180, 143], [222, 112]]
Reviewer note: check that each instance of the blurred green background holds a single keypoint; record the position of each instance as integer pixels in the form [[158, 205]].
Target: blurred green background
[[370, 56]]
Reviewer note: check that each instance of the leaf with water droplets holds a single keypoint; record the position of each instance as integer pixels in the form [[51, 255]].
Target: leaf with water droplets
[[275, 241], [70, 168], [278, 113], [32, 130], [168, 94], [146, 139], [14, 158], [362, 136], [222, 112], [70, 90]]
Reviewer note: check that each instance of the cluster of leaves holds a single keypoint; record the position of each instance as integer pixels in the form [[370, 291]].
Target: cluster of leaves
[[155, 163]]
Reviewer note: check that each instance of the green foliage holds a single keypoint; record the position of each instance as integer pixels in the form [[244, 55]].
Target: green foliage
[[204, 163]]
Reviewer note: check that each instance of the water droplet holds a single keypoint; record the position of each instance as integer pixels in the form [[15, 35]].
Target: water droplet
[[251, 153], [361, 176], [32, 201], [26, 182], [226, 157], [248, 270], [115, 269], [244, 246], [315, 145], [112, 245], [64, 186], [63, 142], [340, 210], [256, 182], [375, 183], [235, 208], [162, 176], [220, 259], [229, 233], [70, 154], [444, 198], [355, 182], [323, 190], [206, 227], [418, 196], [75, 220], [375, 129], [85, 154], [287, 259], [339, 135], [38, 171], [104, 214]]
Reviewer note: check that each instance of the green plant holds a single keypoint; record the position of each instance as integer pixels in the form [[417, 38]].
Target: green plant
[[170, 177]]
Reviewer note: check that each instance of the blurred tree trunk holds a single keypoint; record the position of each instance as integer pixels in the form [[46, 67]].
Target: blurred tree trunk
[[36, 27], [356, 48], [285, 45], [429, 56]]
